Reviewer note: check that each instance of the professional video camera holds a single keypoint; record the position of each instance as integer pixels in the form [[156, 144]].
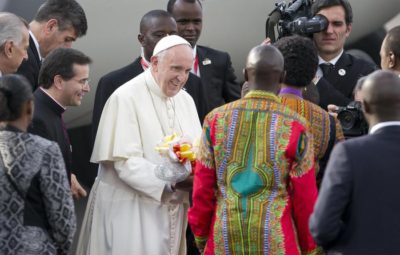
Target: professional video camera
[[294, 18], [352, 120]]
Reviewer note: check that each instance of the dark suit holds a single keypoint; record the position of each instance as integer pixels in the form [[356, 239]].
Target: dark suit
[[30, 67], [217, 77], [47, 122], [107, 85], [338, 89], [358, 209], [111, 81]]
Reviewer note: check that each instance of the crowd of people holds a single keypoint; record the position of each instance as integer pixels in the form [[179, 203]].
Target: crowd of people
[[272, 174]]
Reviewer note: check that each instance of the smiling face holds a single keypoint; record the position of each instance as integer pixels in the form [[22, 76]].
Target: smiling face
[[330, 42], [189, 18], [171, 68], [75, 88]]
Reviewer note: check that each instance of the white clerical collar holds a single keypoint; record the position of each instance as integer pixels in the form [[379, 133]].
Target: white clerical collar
[[332, 61], [382, 125], [36, 44], [47, 93], [194, 51], [1, 73]]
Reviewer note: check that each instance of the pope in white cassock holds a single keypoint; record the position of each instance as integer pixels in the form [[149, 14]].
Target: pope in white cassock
[[130, 210]]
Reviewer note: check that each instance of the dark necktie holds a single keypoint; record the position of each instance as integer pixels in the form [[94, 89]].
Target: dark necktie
[[326, 68]]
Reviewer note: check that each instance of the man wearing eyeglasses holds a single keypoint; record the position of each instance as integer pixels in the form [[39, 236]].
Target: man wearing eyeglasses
[[63, 80]]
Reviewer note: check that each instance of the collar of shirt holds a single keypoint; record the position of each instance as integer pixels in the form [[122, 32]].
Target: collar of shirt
[[382, 125], [143, 61], [195, 67], [332, 61], [1, 73], [65, 108], [36, 45]]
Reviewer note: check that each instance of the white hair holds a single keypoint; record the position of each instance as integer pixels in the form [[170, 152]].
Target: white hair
[[11, 27]]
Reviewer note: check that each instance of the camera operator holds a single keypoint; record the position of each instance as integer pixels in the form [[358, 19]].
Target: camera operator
[[390, 60], [338, 71]]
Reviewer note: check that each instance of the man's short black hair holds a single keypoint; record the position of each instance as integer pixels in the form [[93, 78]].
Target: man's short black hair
[[392, 41], [68, 13], [153, 14], [171, 3], [60, 62], [301, 59], [323, 4]]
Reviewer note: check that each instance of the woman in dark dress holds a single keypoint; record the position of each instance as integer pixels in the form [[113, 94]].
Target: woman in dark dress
[[36, 208]]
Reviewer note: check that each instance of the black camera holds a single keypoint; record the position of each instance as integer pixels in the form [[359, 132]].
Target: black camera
[[294, 18], [352, 120]]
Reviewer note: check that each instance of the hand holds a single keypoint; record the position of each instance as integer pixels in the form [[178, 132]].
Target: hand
[[267, 41], [185, 185], [171, 171], [76, 188], [332, 109]]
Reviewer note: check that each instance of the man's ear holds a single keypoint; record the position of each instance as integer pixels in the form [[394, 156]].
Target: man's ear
[[392, 60], [58, 82], [50, 26], [154, 63], [140, 38], [245, 74], [348, 29], [8, 48], [366, 107]]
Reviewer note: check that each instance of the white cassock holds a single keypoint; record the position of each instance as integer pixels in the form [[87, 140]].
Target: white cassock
[[130, 210]]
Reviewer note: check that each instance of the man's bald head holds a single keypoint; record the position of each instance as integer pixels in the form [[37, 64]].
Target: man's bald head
[[381, 97], [264, 68]]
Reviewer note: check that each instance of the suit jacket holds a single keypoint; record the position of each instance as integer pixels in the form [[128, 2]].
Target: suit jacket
[[338, 89], [357, 211], [217, 77], [30, 68], [111, 81], [47, 122]]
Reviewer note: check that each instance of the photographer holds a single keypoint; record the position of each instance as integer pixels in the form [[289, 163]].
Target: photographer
[[338, 71], [390, 60]]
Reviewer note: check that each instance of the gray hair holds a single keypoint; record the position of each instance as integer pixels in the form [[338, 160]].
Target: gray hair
[[11, 26]]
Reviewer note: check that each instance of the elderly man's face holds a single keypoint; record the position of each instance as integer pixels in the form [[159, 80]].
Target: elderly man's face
[[172, 68], [19, 51]]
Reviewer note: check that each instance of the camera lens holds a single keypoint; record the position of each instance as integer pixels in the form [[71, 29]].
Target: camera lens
[[347, 119]]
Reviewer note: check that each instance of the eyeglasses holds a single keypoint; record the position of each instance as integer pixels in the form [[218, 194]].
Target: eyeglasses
[[83, 82]]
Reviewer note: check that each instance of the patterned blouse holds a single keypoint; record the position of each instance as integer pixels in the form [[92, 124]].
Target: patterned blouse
[[254, 184], [326, 130], [36, 207]]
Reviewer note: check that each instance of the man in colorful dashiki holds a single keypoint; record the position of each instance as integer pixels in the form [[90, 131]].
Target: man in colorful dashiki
[[254, 186]]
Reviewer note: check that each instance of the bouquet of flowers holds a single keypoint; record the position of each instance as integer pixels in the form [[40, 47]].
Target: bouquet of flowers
[[178, 158]]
